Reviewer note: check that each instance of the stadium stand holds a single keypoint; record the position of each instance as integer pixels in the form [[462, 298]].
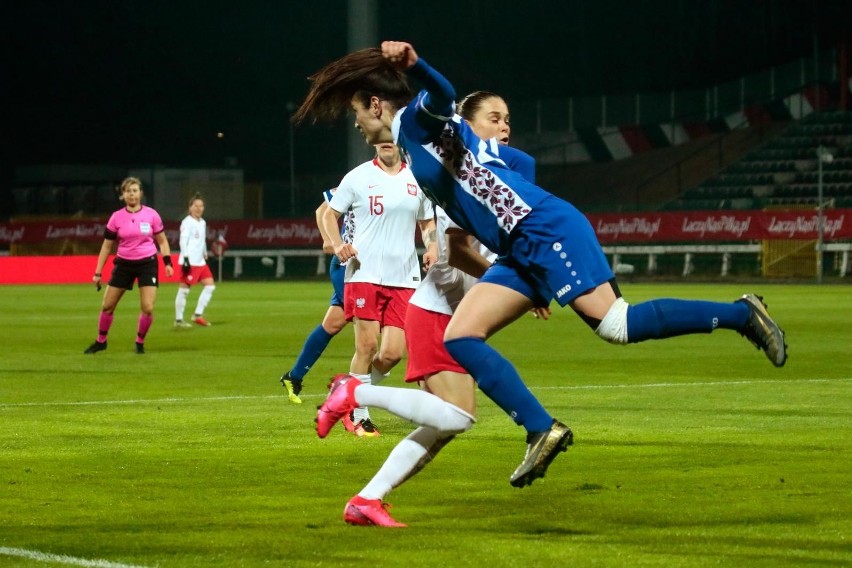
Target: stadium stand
[[784, 171]]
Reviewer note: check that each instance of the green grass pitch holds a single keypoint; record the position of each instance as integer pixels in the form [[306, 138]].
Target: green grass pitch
[[694, 451]]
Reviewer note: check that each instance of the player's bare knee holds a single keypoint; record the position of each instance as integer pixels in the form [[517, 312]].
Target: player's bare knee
[[333, 327], [367, 349], [333, 323], [613, 327]]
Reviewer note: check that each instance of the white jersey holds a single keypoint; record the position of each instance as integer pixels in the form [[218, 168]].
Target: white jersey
[[444, 286], [385, 210], [193, 241]]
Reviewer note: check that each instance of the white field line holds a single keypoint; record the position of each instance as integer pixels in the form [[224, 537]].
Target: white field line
[[283, 396], [701, 384], [62, 559]]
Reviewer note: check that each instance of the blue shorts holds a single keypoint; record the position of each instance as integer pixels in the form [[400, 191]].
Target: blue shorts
[[554, 254], [335, 274]]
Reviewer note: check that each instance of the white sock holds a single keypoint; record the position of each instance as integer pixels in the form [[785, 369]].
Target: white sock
[[362, 412], [420, 407], [204, 299], [405, 460], [180, 303]]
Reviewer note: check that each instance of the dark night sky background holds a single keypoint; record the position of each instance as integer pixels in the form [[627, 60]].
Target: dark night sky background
[[132, 82]]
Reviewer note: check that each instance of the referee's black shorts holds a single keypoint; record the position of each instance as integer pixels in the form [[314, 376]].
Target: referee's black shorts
[[145, 270]]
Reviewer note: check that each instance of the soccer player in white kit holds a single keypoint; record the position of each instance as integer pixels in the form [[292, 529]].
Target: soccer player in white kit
[[193, 262], [387, 205]]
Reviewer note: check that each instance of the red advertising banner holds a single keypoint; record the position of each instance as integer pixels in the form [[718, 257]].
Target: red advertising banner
[[61, 269], [241, 233], [728, 226], [611, 228]]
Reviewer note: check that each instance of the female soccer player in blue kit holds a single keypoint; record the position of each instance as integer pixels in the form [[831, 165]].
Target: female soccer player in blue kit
[[548, 250], [334, 320]]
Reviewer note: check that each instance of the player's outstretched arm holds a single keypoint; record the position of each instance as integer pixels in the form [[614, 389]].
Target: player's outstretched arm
[[442, 94]]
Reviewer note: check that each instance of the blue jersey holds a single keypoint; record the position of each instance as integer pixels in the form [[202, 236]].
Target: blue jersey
[[462, 173], [554, 254]]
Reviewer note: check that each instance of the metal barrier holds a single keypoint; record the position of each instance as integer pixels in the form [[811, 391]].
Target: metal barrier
[[279, 255], [688, 251]]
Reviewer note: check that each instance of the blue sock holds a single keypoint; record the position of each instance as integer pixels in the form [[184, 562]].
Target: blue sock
[[658, 319], [499, 380], [314, 345]]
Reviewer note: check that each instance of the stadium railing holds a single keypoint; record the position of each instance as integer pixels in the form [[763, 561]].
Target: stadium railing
[[688, 251], [279, 255]]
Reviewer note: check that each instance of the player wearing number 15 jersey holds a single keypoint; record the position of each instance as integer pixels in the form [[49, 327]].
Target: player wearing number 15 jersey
[[383, 268]]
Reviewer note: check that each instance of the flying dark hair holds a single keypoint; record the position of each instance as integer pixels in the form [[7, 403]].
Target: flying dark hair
[[360, 74], [468, 106]]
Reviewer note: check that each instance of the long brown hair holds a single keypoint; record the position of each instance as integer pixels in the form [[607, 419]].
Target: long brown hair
[[360, 74]]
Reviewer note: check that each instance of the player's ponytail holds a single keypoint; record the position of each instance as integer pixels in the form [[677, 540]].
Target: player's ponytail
[[365, 73]]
